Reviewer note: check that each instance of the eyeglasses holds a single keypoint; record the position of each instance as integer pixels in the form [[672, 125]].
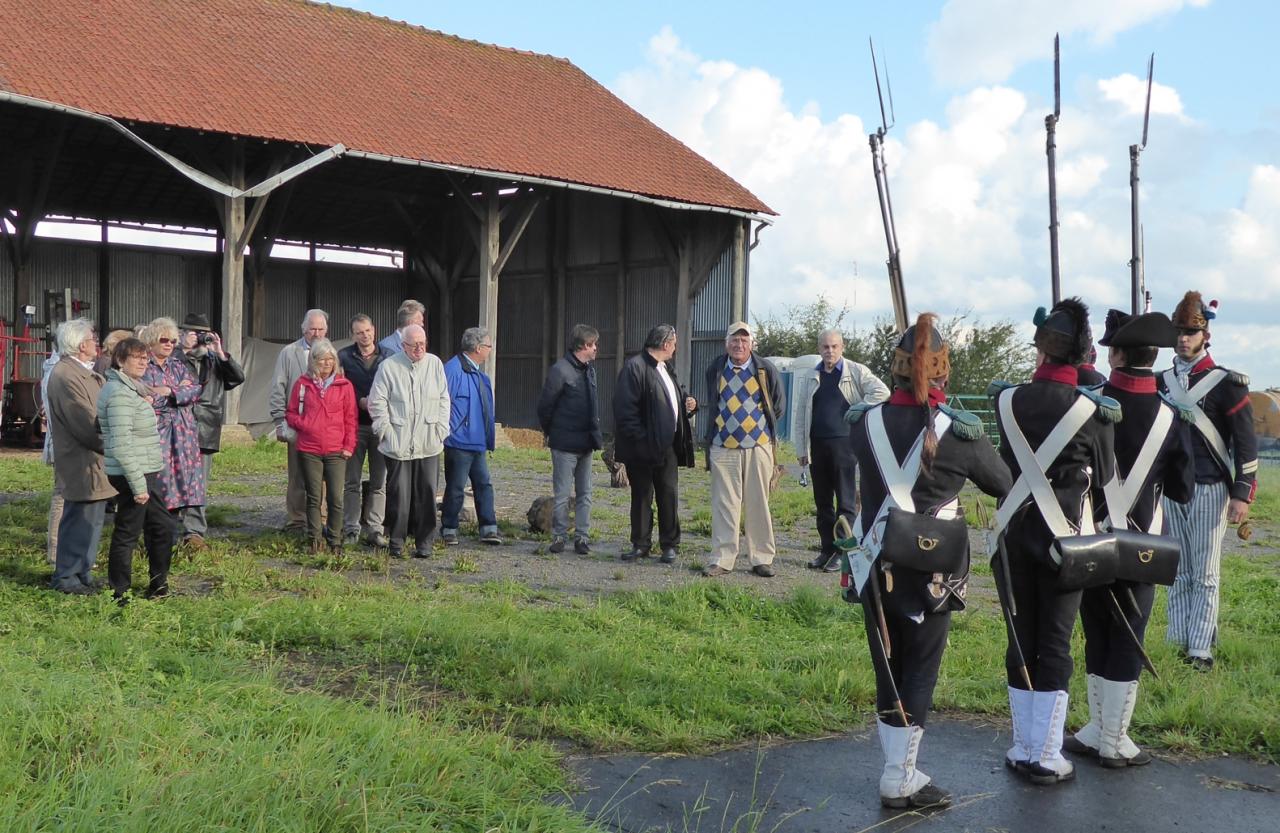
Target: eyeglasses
[[485, 346], [164, 340], [415, 345]]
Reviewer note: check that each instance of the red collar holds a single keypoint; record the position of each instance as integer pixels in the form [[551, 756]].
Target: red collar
[[902, 396], [1088, 366], [1053, 372], [1125, 381], [1204, 364]]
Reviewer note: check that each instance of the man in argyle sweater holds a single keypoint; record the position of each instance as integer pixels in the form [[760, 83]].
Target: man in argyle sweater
[[745, 392]]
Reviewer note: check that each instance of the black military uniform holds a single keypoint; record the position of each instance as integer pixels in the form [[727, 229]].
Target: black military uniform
[[1226, 468], [1045, 616], [917, 606], [1112, 660]]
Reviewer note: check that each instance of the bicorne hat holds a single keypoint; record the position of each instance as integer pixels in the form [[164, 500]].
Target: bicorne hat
[[1151, 329]]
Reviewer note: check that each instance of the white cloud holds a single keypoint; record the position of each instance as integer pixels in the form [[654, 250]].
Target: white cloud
[[1130, 92], [984, 41], [970, 198]]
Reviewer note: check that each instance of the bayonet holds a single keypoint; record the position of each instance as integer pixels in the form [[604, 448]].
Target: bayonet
[[897, 291], [1051, 152], [1137, 269]]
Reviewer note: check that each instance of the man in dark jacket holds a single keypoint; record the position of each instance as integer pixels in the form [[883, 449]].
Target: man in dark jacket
[[360, 361], [471, 438], [218, 373], [746, 397], [569, 413], [1048, 416], [1153, 458], [651, 421]]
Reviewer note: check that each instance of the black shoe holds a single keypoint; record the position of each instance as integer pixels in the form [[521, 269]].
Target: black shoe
[[819, 562], [634, 553], [928, 796], [1141, 759], [557, 545], [1201, 664], [763, 570], [833, 564], [77, 590], [668, 555], [158, 592], [395, 553], [376, 539], [351, 538], [1043, 776], [582, 547], [1075, 747], [491, 538], [422, 553]]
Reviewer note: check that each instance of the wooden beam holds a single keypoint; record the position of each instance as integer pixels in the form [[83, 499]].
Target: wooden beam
[[561, 256], [684, 303], [738, 291], [104, 282], [711, 246], [668, 241], [35, 207], [620, 295], [549, 281], [490, 252], [513, 237], [463, 192], [232, 306]]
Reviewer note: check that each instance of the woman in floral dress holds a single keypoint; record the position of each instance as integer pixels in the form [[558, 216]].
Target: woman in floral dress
[[174, 391]]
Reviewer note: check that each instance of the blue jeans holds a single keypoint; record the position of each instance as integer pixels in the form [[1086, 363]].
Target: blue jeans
[[78, 534], [460, 466]]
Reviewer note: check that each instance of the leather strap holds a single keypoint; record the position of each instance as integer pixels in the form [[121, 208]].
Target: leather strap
[[1191, 399], [1122, 493]]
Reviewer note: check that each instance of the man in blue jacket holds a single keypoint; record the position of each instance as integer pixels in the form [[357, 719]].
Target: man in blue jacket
[[470, 438]]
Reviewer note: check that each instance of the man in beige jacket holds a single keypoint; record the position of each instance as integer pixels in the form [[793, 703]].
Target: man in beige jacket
[[72, 408], [821, 436]]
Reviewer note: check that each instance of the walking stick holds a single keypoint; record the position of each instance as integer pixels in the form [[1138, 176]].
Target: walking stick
[[884, 656], [1137, 643], [1010, 609]]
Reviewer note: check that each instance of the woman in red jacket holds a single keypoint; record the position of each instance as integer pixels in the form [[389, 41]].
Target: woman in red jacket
[[322, 410]]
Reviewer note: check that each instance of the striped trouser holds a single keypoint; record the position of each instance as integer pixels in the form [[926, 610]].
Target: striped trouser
[[1193, 598]]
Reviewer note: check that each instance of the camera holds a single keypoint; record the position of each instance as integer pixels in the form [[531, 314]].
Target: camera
[[204, 338]]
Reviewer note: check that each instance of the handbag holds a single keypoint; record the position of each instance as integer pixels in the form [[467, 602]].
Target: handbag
[[924, 542], [1084, 560], [1146, 558]]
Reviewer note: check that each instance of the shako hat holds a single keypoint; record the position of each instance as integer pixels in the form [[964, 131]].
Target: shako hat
[[1063, 332], [1151, 329], [1192, 313], [919, 356]]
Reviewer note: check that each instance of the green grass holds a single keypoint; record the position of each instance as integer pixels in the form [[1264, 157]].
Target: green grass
[[284, 695]]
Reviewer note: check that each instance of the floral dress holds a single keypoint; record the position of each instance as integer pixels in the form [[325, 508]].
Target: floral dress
[[181, 478]]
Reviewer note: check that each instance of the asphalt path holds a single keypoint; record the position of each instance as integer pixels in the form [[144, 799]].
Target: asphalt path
[[830, 785]]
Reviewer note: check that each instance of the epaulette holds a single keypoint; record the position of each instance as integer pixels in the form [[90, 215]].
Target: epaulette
[[997, 387], [1235, 377], [964, 424], [1108, 408], [857, 412], [1185, 414]]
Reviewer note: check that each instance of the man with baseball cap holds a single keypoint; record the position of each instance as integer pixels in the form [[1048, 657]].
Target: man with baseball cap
[[745, 393]]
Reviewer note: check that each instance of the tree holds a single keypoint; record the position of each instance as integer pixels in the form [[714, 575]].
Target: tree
[[980, 353]]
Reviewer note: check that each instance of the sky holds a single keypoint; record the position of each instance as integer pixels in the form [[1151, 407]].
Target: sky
[[782, 99]]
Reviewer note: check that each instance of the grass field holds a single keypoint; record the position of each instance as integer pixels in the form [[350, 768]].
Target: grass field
[[276, 697]]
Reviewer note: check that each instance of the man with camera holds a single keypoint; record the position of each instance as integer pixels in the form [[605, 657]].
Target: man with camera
[[218, 373]]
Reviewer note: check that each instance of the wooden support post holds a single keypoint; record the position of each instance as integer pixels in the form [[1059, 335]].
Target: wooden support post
[[684, 307], [232, 307], [562, 272], [738, 294], [549, 283], [311, 275], [490, 251]]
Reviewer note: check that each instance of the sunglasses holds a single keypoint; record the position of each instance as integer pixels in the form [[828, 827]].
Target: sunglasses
[[164, 340]]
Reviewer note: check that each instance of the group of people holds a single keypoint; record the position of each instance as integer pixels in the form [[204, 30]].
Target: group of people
[[132, 425], [1105, 489]]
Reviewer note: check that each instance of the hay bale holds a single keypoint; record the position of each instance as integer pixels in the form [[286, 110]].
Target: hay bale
[[525, 437]]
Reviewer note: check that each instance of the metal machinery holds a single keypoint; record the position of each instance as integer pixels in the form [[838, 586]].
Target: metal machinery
[[22, 418]]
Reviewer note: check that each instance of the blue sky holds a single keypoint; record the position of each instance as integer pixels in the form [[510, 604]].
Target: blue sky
[[781, 97]]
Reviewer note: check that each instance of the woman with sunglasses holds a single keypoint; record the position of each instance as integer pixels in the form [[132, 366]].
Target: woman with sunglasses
[[174, 391]]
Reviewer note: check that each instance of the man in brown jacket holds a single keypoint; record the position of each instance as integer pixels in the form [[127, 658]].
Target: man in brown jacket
[[77, 457]]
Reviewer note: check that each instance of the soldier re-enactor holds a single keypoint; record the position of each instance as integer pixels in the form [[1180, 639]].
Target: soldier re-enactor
[[1085, 459], [1154, 437], [935, 449], [1226, 466]]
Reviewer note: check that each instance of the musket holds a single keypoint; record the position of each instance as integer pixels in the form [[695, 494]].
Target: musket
[[1137, 273], [881, 640], [1051, 151], [1010, 609], [897, 291], [1124, 620]]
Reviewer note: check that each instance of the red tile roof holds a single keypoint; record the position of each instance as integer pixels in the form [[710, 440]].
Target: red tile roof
[[319, 74]]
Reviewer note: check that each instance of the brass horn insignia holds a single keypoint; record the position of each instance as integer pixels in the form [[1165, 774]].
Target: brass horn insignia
[[1145, 556], [926, 544]]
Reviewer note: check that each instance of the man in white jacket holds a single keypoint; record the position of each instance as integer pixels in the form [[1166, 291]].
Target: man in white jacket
[[290, 364], [823, 395], [409, 406]]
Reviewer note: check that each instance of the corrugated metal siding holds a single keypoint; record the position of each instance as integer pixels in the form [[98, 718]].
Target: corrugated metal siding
[[286, 300], [711, 310], [518, 384], [342, 291], [591, 297], [520, 316], [651, 300], [593, 229], [147, 284]]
